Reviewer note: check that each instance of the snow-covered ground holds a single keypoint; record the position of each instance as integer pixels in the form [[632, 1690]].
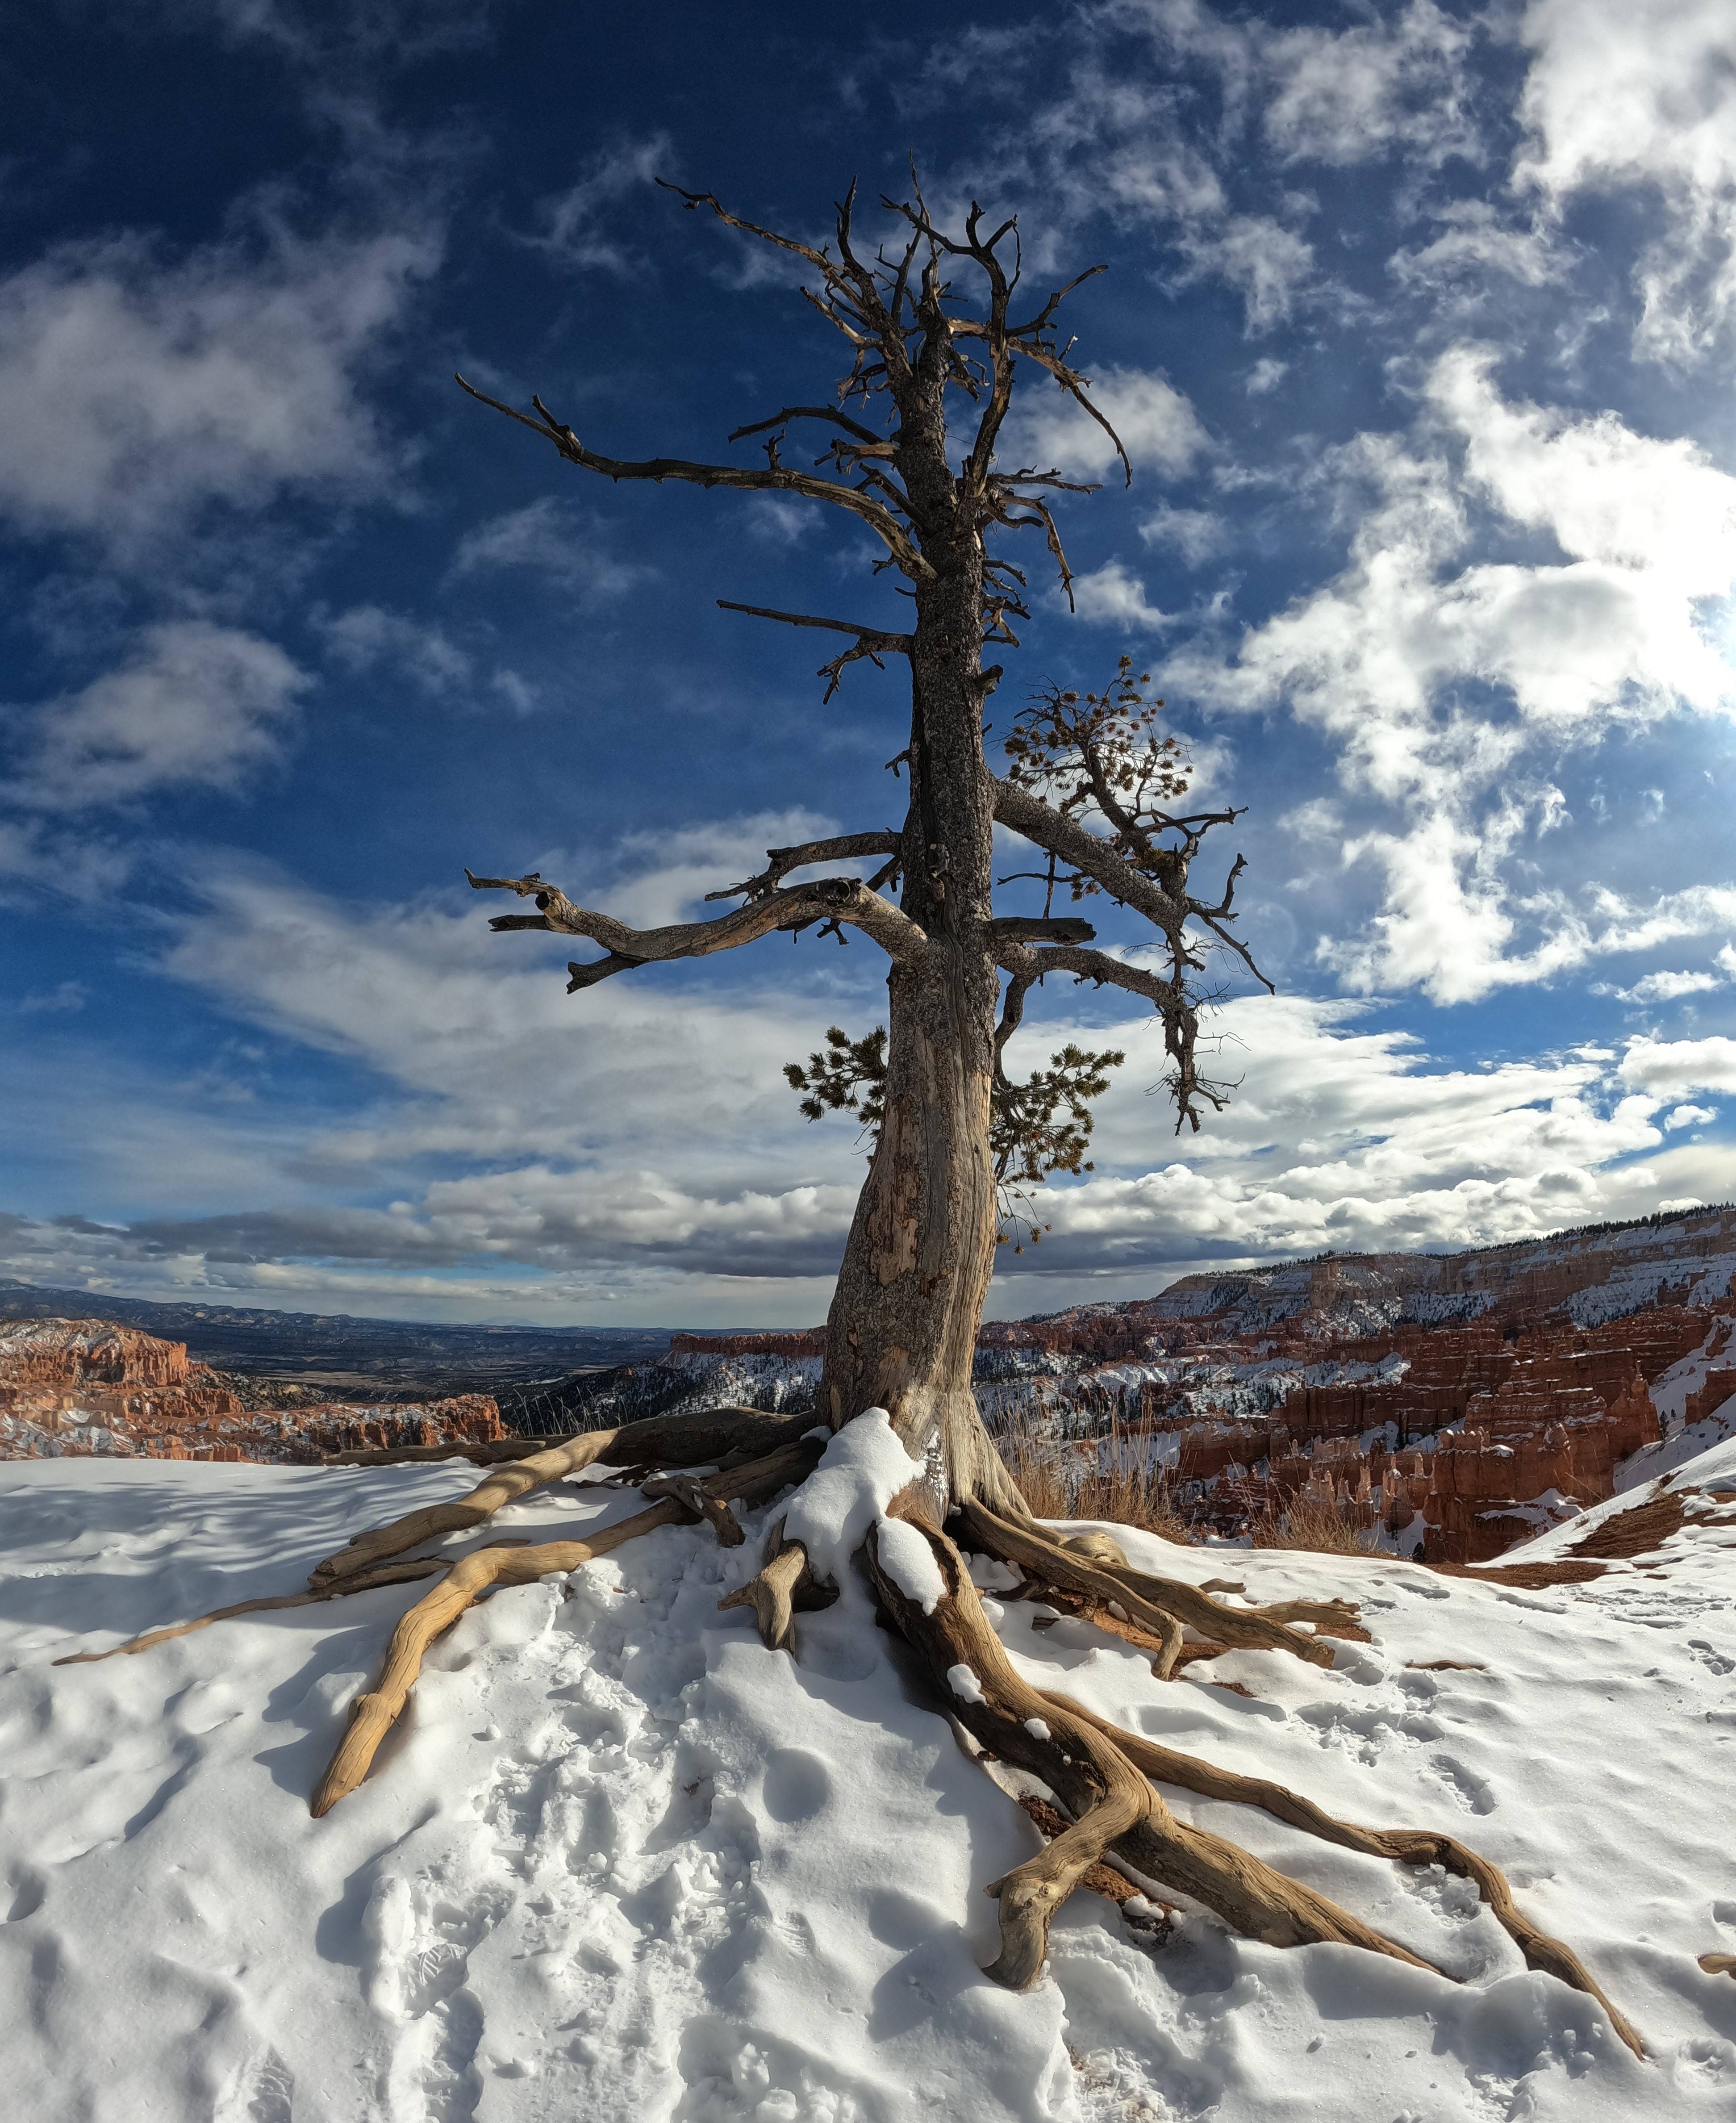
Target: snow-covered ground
[[620, 1862]]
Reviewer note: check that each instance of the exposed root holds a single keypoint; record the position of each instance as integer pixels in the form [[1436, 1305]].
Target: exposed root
[[373, 1715], [1409, 1846], [388, 1574], [1089, 1770], [1719, 1964], [479, 1454], [784, 1584], [1050, 1821], [1166, 1649], [1031, 1893], [1443, 1666], [687, 1489], [1152, 1602], [681, 1441]]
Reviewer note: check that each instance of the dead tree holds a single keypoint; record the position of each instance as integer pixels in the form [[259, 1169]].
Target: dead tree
[[933, 322]]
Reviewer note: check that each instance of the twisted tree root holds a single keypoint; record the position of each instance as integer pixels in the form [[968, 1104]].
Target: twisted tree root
[[1094, 1777], [479, 1454], [388, 1574], [1154, 1602], [1167, 1650], [784, 1584], [1409, 1846], [1050, 1821], [680, 1441], [373, 1715], [689, 1490]]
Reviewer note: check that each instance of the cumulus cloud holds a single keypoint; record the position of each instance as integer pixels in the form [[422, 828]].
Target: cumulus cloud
[[1670, 1068], [196, 705], [141, 387], [1344, 96], [1158, 427], [1268, 265], [367, 636], [1194, 533], [552, 539], [1345, 1135], [1623, 96], [1109, 596], [1666, 986], [1441, 675], [645, 1136], [579, 227], [1682, 1117]]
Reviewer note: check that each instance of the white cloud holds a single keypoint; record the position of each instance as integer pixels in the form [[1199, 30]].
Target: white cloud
[[1265, 374], [1346, 96], [67, 996], [1682, 1117], [1620, 96], [1478, 246], [1158, 427], [1442, 677], [1669, 1068], [198, 706], [641, 1136], [578, 223], [1111, 596], [139, 389], [1194, 533], [776, 521], [552, 539], [1269, 265], [367, 635], [1342, 1135], [1663, 986]]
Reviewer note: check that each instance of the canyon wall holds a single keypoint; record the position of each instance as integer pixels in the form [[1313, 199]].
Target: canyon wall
[[74, 1389]]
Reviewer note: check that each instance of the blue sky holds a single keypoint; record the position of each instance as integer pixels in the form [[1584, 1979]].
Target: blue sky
[[1418, 325]]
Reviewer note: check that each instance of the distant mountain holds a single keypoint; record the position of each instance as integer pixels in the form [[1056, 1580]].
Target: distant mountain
[[403, 1358]]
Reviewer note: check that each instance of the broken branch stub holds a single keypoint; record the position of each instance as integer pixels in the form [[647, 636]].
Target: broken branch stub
[[783, 1586]]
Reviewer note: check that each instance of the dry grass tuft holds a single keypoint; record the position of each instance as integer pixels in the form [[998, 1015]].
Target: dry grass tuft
[[1308, 1525], [1121, 1484]]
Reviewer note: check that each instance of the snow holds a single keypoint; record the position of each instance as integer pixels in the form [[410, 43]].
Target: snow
[[964, 1683], [620, 1861], [908, 1560], [861, 1470]]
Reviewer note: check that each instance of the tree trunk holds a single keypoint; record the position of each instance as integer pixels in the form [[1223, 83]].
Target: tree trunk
[[902, 1329]]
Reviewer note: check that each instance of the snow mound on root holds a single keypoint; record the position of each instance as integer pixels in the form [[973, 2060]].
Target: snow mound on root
[[863, 1468], [620, 1861]]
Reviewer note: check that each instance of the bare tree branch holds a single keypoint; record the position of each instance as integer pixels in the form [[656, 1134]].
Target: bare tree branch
[[871, 641], [1028, 965], [846, 847], [1041, 928], [773, 479], [866, 436], [1046, 828], [829, 899]]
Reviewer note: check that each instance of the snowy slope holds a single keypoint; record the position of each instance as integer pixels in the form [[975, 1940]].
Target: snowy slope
[[620, 1862]]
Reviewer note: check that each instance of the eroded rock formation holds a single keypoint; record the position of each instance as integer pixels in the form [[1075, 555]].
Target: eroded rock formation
[[82, 1388]]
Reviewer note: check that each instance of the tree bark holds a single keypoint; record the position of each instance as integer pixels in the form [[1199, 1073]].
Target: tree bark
[[902, 1333]]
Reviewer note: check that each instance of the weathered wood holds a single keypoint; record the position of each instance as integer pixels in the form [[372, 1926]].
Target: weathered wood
[[669, 1441]]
